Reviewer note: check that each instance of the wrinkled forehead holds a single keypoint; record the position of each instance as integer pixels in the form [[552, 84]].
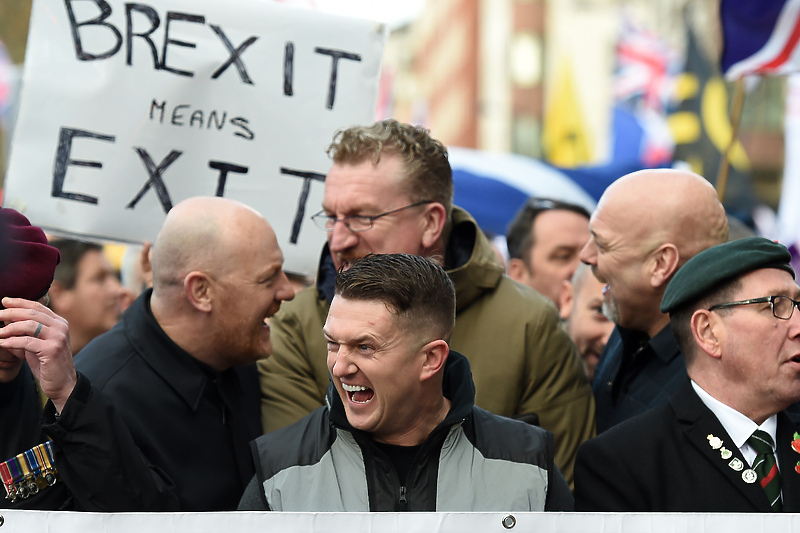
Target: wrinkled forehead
[[768, 282]]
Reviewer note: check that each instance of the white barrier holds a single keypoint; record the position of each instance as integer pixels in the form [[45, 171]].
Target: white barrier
[[240, 522], [128, 108]]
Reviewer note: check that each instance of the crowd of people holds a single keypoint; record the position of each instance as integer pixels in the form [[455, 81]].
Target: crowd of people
[[629, 359]]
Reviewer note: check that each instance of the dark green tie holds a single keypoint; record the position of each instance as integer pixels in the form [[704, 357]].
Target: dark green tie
[[766, 468]]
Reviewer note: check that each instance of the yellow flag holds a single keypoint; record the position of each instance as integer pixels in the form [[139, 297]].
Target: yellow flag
[[565, 138]]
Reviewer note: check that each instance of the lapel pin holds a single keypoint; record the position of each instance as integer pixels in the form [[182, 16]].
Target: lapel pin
[[725, 453], [749, 476], [715, 442], [736, 464], [796, 448]]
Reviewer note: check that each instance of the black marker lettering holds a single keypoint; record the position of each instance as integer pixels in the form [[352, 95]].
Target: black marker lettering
[[154, 172], [171, 15], [152, 16], [288, 68], [224, 168], [336, 55], [105, 12], [63, 160], [301, 202], [235, 57]]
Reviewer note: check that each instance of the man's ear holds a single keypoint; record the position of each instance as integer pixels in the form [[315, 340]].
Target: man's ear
[[705, 327], [566, 299], [664, 264], [435, 357], [435, 218], [518, 271], [199, 290]]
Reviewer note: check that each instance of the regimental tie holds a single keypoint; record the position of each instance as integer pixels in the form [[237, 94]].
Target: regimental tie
[[766, 468]]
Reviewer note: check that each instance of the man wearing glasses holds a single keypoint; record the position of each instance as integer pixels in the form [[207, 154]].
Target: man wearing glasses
[[390, 190], [725, 442]]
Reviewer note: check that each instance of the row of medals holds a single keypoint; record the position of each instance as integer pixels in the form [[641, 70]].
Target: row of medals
[[749, 475], [32, 470]]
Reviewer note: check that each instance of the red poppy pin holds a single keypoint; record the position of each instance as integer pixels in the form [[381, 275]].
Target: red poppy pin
[[796, 447]]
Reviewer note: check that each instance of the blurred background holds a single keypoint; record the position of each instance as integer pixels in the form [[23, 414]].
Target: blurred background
[[586, 90]]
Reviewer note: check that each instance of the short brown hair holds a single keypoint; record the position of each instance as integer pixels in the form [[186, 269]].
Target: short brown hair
[[72, 252], [519, 237], [415, 289], [428, 171]]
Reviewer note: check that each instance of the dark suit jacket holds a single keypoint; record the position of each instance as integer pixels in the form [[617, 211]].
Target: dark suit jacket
[[663, 461]]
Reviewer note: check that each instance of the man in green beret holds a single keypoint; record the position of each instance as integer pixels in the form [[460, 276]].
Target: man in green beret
[[725, 442]]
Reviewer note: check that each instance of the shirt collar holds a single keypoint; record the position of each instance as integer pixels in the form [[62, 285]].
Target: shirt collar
[[738, 426]]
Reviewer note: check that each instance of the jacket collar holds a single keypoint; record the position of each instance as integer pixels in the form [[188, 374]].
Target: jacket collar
[[179, 370]]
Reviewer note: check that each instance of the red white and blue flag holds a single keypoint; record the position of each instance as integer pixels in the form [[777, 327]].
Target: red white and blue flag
[[6, 78], [646, 66], [760, 37]]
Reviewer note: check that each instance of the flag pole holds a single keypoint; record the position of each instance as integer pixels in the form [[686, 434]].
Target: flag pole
[[736, 115]]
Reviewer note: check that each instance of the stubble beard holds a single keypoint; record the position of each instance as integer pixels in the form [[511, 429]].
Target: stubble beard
[[610, 309]]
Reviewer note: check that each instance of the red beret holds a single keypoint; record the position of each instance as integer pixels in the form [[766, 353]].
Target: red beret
[[27, 262]]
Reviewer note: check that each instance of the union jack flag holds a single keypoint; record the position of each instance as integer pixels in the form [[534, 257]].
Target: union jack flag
[[646, 66], [760, 37]]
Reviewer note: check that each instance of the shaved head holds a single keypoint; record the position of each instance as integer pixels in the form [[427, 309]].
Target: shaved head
[[217, 278], [647, 225], [202, 233], [666, 205]]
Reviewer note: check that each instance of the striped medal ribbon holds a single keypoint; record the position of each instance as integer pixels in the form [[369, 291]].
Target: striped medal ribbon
[[29, 472]]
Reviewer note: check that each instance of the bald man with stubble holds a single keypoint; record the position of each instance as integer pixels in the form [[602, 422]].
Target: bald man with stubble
[[180, 365], [646, 226]]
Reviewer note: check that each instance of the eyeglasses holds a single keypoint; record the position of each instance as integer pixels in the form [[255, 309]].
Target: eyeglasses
[[782, 306], [540, 204], [357, 223]]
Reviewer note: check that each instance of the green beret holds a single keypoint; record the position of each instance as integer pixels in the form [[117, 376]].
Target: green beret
[[718, 264]]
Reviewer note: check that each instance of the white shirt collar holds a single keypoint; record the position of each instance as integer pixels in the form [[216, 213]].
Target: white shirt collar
[[738, 426]]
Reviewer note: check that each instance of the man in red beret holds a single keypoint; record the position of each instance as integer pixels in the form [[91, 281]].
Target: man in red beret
[[58, 431]]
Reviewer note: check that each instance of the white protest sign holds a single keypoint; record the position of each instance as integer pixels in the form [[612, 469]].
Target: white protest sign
[[129, 108]]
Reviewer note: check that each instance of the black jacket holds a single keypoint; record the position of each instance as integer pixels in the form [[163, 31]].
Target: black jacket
[[663, 461], [636, 374], [100, 467], [193, 423]]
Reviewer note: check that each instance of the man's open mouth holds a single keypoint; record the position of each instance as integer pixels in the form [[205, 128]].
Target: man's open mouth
[[358, 393]]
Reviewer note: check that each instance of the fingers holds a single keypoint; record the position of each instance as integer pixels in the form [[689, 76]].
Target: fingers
[[35, 333], [27, 325], [19, 309]]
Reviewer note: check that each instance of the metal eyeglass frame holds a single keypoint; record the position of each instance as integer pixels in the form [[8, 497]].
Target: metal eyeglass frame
[[764, 299], [327, 222]]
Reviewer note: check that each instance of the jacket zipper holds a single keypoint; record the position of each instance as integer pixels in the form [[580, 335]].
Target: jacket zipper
[[402, 503]]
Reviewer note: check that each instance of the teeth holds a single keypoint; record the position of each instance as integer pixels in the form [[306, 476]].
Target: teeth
[[353, 388]]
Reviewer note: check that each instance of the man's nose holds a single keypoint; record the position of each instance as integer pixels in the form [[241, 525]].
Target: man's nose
[[342, 363], [589, 252], [340, 237]]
